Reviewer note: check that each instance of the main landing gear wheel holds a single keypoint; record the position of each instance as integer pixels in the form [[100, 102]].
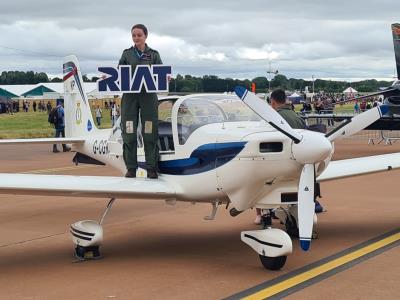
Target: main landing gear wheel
[[87, 236], [273, 263]]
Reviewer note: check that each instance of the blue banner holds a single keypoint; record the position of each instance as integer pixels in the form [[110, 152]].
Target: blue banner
[[154, 79]]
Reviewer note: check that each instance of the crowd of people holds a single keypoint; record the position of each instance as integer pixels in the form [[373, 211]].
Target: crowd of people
[[112, 106], [364, 105], [9, 107], [324, 103], [12, 107]]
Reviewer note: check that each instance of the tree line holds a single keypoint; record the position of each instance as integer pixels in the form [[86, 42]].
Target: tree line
[[212, 83]]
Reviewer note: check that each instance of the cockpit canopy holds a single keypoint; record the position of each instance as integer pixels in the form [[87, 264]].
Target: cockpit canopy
[[200, 110], [196, 111]]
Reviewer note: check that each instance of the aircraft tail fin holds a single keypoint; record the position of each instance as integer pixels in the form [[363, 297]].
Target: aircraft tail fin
[[396, 43], [78, 117]]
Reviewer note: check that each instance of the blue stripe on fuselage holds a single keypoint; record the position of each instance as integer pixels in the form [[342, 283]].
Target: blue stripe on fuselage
[[204, 158]]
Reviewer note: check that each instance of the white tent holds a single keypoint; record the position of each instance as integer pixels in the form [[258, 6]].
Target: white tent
[[350, 90], [295, 98]]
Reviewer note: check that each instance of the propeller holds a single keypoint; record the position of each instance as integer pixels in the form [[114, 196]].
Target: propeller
[[308, 149], [357, 123], [306, 205], [267, 113]]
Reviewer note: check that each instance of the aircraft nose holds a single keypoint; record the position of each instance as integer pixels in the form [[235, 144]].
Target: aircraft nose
[[313, 148]]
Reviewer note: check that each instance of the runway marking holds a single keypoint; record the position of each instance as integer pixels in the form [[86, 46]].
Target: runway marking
[[34, 239], [294, 281], [51, 170]]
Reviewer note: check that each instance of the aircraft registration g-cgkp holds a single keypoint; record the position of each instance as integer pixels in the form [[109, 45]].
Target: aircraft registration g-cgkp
[[238, 147]]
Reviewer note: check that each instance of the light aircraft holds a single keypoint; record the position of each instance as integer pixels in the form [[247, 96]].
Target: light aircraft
[[240, 150]]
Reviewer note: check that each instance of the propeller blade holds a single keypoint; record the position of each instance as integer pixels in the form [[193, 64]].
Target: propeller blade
[[357, 123], [386, 92], [306, 205], [266, 112]]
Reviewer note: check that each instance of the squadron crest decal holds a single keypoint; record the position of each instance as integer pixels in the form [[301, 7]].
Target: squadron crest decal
[[78, 114]]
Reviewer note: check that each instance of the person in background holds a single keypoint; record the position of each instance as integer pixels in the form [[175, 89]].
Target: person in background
[[48, 107], [363, 105], [369, 104], [59, 126], [98, 113], [115, 113], [356, 107], [278, 102]]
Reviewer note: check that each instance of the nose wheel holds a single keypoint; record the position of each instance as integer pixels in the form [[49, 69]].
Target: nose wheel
[[273, 263], [272, 246], [87, 235]]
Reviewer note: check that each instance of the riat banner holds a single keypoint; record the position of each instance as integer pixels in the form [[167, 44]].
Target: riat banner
[[154, 79]]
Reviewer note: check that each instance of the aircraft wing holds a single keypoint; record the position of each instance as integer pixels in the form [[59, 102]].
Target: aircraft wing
[[360, 166], [85, 186], [43, 141]]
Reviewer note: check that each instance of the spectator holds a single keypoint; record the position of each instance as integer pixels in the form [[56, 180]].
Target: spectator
[[356, 108], [113, 113], [363, 106], [48, 107], [278, 102], [59, 126], [328, 109], [98, 115]]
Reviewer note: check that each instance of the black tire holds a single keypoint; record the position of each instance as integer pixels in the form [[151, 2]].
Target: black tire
[[273, 263]]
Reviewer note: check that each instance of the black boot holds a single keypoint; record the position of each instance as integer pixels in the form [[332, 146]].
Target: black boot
[[55, 150], [66, 148], [130, 174], [151, 173]]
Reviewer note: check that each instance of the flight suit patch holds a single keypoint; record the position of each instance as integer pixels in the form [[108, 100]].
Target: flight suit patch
[[148, 127], [145, 56], [129, 126]]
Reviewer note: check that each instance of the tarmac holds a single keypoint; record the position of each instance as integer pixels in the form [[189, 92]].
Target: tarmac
[[153, 250]]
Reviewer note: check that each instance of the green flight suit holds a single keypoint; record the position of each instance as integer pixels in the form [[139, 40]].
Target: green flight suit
[[144, 103], [294, 120]]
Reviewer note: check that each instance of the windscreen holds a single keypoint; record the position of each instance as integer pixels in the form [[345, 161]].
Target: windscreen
[[201, 110]]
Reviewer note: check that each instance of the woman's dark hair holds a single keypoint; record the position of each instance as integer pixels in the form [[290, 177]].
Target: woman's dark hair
[[140, 26]]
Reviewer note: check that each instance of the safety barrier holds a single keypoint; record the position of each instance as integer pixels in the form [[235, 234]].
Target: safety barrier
[[378, 134]]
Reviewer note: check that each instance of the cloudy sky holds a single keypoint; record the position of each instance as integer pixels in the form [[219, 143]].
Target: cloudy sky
[[238, 39]]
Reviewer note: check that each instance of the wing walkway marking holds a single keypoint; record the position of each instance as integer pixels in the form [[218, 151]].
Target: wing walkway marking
[[50, 170], [287, 284]]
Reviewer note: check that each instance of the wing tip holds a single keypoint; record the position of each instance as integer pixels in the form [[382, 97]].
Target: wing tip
[[240, 91], [384, 109]]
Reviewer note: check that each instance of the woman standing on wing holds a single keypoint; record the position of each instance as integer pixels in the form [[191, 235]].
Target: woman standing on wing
[[143, 103]]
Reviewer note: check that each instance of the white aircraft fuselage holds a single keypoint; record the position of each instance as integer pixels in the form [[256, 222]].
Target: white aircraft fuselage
[[219, 162]]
